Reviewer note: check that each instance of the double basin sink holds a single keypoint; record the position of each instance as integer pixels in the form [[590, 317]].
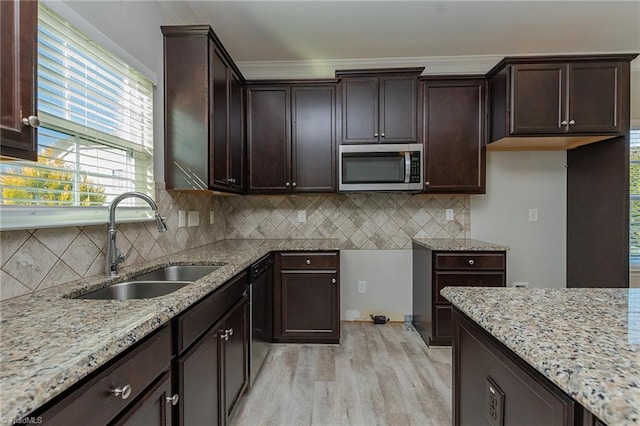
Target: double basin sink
[[156, 283]]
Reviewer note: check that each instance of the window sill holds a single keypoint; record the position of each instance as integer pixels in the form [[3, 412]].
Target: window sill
[[27, 217]]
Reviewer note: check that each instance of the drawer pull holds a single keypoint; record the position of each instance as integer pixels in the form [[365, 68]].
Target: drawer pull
[[123, 392], [173, 400], [308, 261], [471, 262]]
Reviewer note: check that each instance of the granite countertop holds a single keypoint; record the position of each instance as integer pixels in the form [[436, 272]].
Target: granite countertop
[[49, 342], [586, 341], [458, 244]]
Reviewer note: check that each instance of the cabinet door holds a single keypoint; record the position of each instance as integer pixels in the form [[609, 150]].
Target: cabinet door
[[594, 97], [18, 36], [308, 305], [219, 84], [398, 109], [187, 111], [538, 98], [454, 129], [235, 359], [268, 139], [153, 408], [360, 110], [236, 135], [313, 141], [199, 381]]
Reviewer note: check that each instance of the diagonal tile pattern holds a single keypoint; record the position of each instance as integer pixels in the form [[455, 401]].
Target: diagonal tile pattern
[[358, 221], [32, 260]]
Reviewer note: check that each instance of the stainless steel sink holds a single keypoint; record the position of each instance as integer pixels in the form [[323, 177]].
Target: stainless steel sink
[[178, 273], [135, 290], [156, 283]]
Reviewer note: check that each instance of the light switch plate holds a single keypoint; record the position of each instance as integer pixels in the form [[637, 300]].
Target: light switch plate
[[182, 221], [302, 216], [533, 215], [194, 218], [212, 217]]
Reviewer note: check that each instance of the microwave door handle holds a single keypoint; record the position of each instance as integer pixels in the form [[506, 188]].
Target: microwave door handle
[[407, 166]]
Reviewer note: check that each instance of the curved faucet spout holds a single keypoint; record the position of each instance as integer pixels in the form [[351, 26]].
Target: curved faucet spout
[[114, 256]]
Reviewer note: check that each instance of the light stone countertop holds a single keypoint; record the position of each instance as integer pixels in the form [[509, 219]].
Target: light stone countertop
[[48, 342], [458, 244], [586, 341]]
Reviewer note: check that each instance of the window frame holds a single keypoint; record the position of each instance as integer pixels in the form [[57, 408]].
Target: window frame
[[21, 217]]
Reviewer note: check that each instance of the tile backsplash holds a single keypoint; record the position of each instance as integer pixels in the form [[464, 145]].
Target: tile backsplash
[[358, 221], [36, 259]]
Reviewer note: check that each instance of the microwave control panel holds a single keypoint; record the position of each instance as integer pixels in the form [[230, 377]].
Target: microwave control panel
[[415, 168]]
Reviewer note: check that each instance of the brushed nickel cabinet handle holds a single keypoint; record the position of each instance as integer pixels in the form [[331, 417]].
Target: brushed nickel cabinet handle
[[31, 121], [563, 122], [333, 281], [471, 262], [572, 122], [308, 261], [123, 392], [173, 400]]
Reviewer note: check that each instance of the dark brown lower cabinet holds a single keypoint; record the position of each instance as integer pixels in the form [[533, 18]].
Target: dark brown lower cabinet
[[307, 297], [154, 407], [122, 390], [435, 270], [493, 386], [212, 373]]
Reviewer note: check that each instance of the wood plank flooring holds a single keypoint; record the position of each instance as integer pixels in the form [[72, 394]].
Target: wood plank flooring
[[378, 375]]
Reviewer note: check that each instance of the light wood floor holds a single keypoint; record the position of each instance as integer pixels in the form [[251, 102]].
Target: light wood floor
[[378, 375]]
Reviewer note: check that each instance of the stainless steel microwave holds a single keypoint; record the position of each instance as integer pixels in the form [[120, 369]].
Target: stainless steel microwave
[[380, 167]]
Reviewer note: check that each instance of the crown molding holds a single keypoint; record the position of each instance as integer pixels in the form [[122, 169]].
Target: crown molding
[[325, 68], [179, 12]]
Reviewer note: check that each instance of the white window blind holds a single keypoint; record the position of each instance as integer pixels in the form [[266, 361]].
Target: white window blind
[[634, 189], [95, 140]]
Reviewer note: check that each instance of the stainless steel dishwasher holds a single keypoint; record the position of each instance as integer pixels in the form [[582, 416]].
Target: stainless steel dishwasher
[[260, 297]]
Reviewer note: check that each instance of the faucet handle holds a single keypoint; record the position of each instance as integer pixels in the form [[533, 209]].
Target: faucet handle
[[119, 256]]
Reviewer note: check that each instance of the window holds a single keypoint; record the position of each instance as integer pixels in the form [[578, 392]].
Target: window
[[95, 139], [634, 179]]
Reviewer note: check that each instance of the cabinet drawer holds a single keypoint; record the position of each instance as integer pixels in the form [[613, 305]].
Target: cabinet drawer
[[95, 403], [198, 319], [470, 260], [471, 279], [309, 260]]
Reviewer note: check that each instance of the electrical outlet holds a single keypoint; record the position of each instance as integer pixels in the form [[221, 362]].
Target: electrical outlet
[[449, 214], [520, 284], [302, 216], [212, 217], [182, 219], [362, 286], [533, 215], [494, 403], [194, 218]]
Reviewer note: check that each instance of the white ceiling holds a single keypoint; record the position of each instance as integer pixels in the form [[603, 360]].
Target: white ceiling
[[314, 37]]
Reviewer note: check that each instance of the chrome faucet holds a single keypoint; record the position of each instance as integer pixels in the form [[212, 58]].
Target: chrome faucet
[[115, 256]]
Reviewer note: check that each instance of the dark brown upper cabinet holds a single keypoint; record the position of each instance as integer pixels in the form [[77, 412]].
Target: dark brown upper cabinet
[[204, 141], [454, 134], [18, 120], [570, 101], [291, 137], [379, 106]]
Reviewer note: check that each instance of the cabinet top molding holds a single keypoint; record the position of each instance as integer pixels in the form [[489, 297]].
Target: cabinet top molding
[[376, 71], [202, 31], [512, 60]]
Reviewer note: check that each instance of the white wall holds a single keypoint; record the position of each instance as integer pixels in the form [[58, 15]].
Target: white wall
[[517, 182], [388, 274]]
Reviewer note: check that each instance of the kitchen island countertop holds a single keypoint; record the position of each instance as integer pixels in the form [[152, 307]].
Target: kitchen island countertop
[[458, 244], [50, 341], [585, 341]]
